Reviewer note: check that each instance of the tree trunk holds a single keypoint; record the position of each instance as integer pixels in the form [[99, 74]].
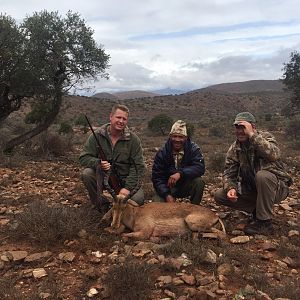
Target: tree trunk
[[8, 103], [10, 145]]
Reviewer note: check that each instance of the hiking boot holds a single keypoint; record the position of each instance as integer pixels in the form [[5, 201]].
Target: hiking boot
[[263, 227]]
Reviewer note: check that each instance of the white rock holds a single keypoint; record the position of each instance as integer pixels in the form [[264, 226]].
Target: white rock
[[39, 273], [92, 292], [242, 239]]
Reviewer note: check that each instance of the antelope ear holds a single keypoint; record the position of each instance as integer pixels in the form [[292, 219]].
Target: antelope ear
[[133, 203]]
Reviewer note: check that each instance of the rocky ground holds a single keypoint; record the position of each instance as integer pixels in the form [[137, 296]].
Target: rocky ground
[[53, 246]]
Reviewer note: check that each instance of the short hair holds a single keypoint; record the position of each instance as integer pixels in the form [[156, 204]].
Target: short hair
[[121, 107]]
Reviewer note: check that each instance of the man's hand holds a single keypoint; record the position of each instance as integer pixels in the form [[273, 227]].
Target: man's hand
[[173, 180], [170, 198], [249, 130], [232, 195], [105, 165], [124, 192]]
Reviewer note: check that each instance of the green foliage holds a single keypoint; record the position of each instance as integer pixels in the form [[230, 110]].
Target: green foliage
[[190, 128], [160, 124], [216, 132], [65, 127], [43, 57], [293, 129], [80, 120], [268, 117], [291, 78], [38, 113], [217, 161]]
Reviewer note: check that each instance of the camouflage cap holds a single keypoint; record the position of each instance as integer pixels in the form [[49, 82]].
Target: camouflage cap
[[244, 116], [179, 127]]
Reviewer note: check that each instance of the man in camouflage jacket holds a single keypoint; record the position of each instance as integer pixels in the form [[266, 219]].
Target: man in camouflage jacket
[[122, 149], [254, 177]]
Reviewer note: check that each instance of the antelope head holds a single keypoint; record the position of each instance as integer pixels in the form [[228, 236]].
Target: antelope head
[[119, 201]]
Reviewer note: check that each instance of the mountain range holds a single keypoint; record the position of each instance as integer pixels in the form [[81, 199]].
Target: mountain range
[[252, 86]]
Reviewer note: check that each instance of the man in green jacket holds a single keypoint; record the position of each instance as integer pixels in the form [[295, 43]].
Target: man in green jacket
[[254, 178], [123, 152]]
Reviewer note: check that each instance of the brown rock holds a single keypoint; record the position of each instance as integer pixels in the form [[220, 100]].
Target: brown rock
[[188, 279], [18, 255], [37, 256]]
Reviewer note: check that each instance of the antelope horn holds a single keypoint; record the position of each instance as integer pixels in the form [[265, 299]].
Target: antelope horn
[[107, 186]]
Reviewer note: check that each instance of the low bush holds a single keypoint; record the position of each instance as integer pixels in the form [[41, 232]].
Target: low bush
[[53, 225], [130, 281]]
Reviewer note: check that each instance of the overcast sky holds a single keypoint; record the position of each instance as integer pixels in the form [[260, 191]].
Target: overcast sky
[[182, 44]]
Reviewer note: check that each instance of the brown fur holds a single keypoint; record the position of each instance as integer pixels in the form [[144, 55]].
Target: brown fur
[[158, 219]]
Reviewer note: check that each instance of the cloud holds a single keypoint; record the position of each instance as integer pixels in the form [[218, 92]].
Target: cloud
[[183, 44]]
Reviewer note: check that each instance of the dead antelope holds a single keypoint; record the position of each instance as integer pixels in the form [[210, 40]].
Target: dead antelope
[[156, 219]]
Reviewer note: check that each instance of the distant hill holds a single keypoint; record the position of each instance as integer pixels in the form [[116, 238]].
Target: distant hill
[[170, 91], [134, 94], [105, 96], [252, 86], [260, 97], [126, 95]]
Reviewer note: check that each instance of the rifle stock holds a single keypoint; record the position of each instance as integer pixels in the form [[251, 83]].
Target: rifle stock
[[114, 181]]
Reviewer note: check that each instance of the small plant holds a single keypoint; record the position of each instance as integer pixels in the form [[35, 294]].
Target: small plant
[[216, 132], [196, 250], [51, 144], [217, 161], [65, 128], [51, 225], [293, 129], [81, 120], [129, 281], [190, 128]]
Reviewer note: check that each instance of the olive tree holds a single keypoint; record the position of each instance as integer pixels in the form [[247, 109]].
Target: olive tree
[[160, 124], [291, 79], [14, 75], [58, 53]]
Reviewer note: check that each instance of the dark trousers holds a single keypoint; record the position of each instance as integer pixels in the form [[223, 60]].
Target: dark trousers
[[189, 188], [269, 190], [88, 177]]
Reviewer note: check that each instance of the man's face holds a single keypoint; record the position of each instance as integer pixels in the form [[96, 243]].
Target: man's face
[[177, 141], [118, 120], [240, 133]]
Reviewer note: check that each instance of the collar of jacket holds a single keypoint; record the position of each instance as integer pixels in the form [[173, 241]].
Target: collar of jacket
[[186, 148], [104, 131]]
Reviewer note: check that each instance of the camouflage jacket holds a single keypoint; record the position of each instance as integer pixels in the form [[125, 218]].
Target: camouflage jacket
[[126, 155], [243, 160]]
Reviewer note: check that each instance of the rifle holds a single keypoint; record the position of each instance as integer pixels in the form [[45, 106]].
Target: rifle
[[113, 179]]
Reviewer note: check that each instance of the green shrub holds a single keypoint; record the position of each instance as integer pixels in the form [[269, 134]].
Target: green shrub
[[293, 128], [65, 127], [216, 132], [160, 124], [81, 120], [217, 161]]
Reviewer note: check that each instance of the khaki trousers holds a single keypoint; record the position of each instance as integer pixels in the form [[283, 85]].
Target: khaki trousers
[[270, 190]]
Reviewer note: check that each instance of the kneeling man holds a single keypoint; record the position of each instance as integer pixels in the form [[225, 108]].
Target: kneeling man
[[178, 167]]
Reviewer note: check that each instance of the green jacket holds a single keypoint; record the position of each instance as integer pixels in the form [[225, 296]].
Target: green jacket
[[244, 160], [126, 155]]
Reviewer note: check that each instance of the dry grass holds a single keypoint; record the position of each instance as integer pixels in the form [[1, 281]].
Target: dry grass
[[130, 281], [50, 226]]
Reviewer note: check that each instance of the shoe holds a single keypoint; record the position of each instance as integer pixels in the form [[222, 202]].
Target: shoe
[[263, 227]]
